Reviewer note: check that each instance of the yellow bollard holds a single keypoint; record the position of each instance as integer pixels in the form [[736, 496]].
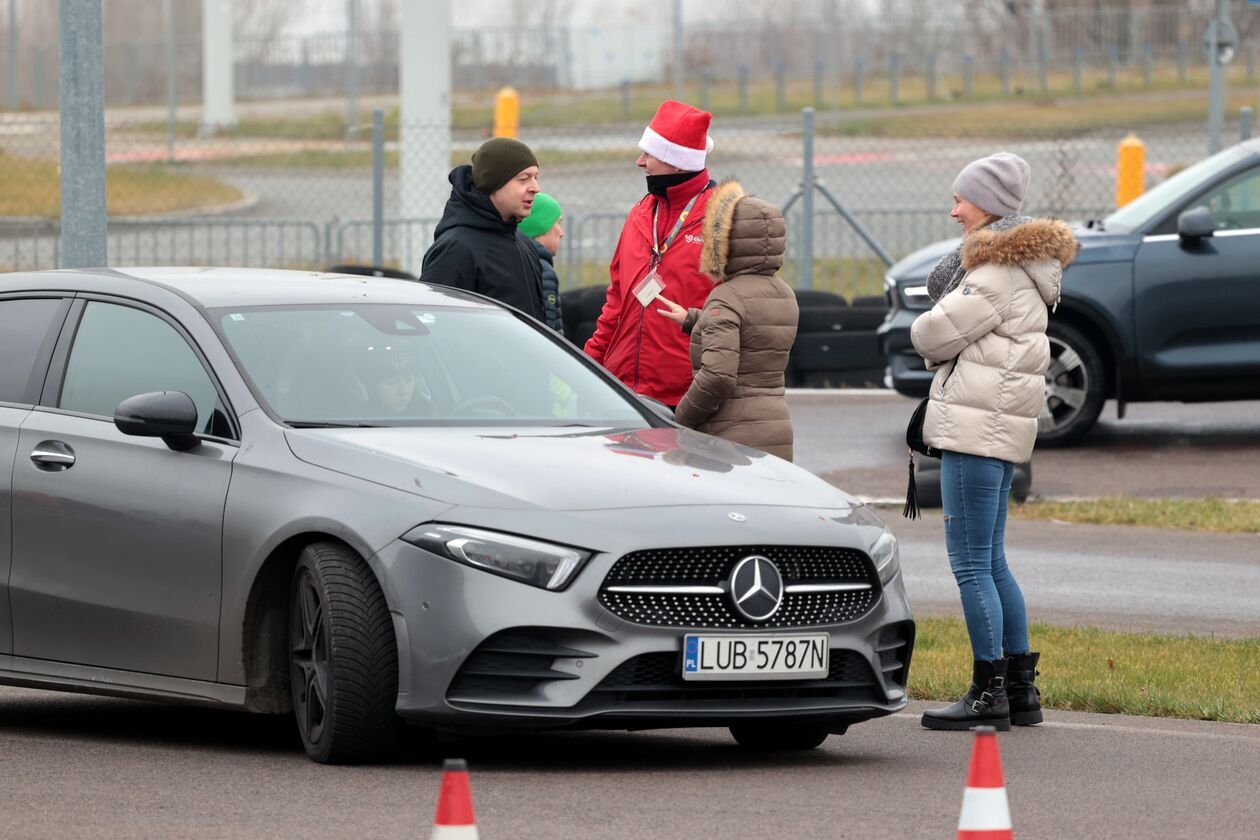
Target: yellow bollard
[[507, 113], [1130, 169]]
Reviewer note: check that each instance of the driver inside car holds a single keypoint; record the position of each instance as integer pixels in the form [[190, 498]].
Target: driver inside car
[[392, 383]]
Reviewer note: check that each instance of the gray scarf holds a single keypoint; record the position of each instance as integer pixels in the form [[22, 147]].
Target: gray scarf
[[949, 272]]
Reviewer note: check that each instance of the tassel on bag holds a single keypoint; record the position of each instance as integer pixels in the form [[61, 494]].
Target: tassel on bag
[[911, 509]]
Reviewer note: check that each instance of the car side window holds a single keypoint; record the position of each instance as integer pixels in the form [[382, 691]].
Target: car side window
[[1235, 205], [119, 352], [24, 324]]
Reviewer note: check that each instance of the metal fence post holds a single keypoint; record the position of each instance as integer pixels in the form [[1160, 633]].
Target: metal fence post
[[780, 85], [82, 95], [857, 80], [819, 67], [894, 77], [1245, 123], [1113, 62], [1182, 60], [378, 187], [1148, 60], [352, 69], [805, 263], [172, 96], [743, 87], [13, 55]]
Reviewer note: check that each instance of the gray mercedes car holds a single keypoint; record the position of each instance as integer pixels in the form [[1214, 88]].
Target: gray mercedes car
[[371, 502]]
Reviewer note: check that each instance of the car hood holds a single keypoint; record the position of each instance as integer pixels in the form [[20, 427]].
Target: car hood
[[565, 469], [1096, 246]]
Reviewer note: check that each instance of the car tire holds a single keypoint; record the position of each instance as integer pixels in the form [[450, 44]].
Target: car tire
[[1075, 372], [758, 736], [343, 660]]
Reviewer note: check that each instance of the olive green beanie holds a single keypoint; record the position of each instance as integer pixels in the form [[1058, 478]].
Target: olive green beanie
[[498, 161], [541, 217]]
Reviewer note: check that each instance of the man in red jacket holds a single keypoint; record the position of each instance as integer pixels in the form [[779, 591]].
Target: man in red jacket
[[659, 253]]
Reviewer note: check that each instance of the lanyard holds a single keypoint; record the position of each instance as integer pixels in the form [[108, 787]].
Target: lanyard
[[659, 250]]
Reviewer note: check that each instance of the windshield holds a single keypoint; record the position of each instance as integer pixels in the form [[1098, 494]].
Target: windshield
[[406, 365], [1152, 204]]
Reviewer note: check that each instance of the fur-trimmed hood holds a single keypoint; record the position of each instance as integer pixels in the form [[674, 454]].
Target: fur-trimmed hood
[[742, 234], [1041, 247], [1033, 241]]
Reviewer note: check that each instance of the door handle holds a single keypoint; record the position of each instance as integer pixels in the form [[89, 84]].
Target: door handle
[[52, 455]]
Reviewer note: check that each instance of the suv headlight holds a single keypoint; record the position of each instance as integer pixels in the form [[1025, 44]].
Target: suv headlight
[[537, 563]]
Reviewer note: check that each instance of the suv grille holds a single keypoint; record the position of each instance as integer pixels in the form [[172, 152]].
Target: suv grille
[[849, 570]]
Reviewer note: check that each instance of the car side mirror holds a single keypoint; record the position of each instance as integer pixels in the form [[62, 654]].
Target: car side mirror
[[170, 415], [657, 407], [1196, 223]]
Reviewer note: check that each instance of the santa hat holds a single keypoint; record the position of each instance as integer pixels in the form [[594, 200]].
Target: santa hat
[[678, 135]]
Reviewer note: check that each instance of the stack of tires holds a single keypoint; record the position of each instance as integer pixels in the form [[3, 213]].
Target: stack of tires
[[836, 345]]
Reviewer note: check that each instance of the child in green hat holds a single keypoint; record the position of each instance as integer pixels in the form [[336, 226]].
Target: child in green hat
[[544, 229]]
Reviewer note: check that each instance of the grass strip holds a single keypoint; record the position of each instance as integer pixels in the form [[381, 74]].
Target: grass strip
[[1091, 670], [33, 188], [1208, 514]]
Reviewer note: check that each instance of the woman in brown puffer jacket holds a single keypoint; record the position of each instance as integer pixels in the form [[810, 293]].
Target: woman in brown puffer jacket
[[741, 338]]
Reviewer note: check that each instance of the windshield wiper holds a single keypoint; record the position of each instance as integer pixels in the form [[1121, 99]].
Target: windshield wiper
[[327, 424]]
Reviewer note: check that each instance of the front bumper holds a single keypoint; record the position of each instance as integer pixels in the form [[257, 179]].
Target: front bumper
[[906, 371], [483, 653]]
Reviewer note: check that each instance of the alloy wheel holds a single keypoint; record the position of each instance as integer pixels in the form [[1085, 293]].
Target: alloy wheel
[[1067, 387], [309, 668]]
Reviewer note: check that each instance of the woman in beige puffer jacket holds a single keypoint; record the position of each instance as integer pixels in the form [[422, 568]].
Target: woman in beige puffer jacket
[[986, 339], [741, 338]]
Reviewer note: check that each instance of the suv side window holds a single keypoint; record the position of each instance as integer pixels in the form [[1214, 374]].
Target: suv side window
[[119, 352], [24, 325], [1235, 205]]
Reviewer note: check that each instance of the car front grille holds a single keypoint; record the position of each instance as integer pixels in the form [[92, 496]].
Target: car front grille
[[664, 576], [656, 678]]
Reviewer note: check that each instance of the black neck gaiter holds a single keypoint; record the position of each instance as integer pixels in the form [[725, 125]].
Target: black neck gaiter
[[658, 184]]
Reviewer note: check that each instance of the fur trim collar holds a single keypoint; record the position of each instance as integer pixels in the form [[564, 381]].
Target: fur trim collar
[[719, 212], [1033, 241]]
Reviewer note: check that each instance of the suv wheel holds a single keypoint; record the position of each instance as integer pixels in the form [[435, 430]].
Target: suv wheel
[[1075, 387], [343, 663], [779, 737]]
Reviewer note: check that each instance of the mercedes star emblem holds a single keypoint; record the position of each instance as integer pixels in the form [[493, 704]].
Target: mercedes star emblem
[[756, 588]]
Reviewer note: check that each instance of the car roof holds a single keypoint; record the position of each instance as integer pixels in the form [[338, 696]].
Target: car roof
[[220, 287]]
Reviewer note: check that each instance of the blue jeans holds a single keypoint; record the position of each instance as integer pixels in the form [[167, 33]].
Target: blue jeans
[[974, 494]]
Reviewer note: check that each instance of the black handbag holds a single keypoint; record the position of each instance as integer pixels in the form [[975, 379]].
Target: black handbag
[[916, 443]]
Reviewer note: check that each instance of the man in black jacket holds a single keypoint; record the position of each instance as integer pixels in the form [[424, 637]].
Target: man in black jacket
[[476, 245]]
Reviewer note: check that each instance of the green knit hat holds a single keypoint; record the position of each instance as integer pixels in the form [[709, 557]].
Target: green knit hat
[[541, 217], [498, 161]]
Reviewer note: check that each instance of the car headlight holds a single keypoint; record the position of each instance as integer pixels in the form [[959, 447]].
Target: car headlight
[[537, 563], [915, 294], [886, 556]]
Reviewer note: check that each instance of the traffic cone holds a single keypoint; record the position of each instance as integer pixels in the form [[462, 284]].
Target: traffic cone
[[454, 820], [985, 814]]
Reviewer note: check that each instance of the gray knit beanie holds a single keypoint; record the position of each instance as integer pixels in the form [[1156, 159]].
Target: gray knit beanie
[[498, 161], [996, 184]]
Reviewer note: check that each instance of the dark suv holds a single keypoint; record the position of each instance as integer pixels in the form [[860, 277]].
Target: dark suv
[[1163, 302]]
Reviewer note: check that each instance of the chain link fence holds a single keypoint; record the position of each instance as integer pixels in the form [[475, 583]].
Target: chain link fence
[[239, 198]]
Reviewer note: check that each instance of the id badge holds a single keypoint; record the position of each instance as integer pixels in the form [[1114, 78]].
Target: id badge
[[648, 288]]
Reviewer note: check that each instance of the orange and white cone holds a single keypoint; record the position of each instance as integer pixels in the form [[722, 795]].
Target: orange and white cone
[[454, 820], [985, 814]]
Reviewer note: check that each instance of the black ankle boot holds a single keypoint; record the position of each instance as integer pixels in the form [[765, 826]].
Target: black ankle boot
[[984, 705], [1023, 695]]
